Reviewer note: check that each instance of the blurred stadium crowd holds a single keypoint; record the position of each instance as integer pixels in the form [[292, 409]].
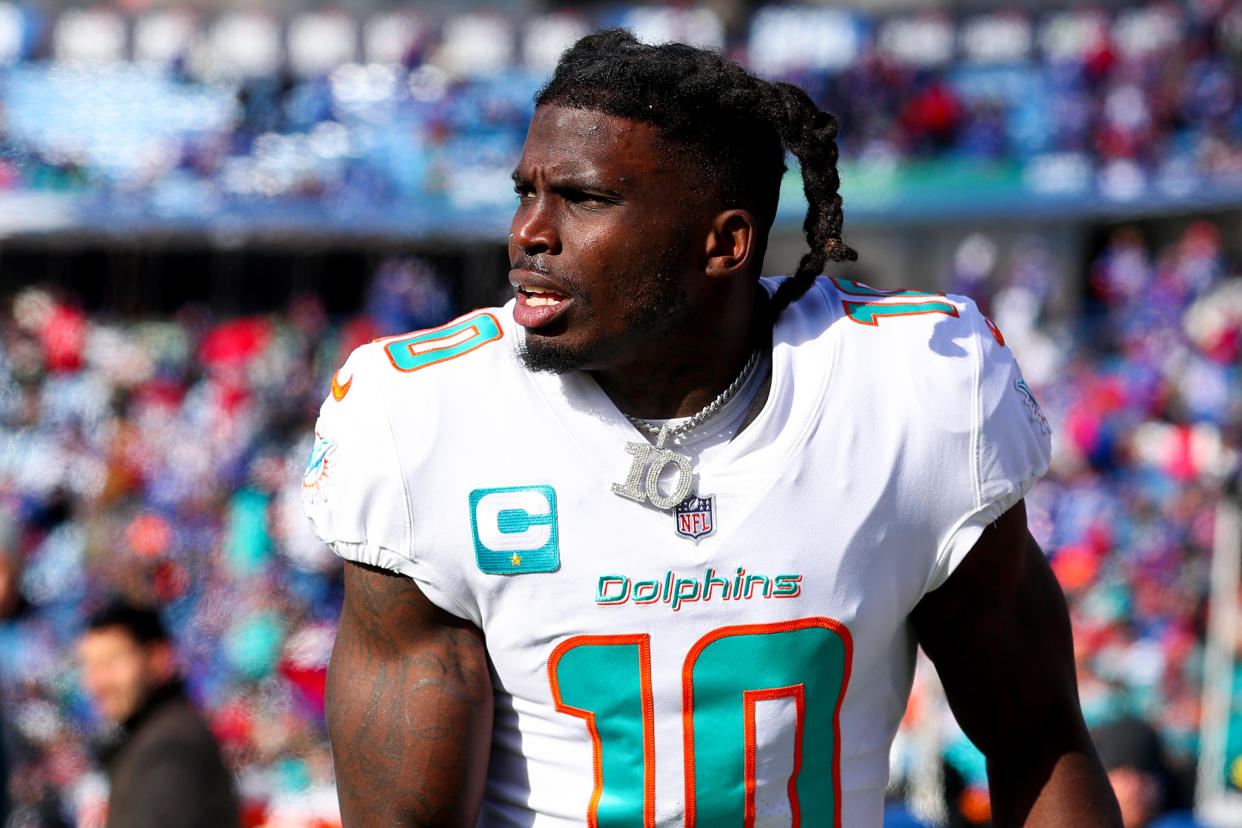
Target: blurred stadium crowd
[[167, 119], [161, 460], [1142, 384]]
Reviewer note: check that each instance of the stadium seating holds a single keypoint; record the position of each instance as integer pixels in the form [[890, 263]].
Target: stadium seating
[[165, 120]]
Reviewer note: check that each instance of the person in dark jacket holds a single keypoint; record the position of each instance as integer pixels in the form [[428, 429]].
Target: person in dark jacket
[[1147, 787], [164, 766]]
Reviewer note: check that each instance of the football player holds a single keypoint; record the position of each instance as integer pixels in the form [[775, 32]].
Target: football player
[[654, 543]]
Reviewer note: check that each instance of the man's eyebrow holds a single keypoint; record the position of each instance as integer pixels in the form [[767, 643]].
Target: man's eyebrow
[[598, 187], [571, 181], [582, 183]]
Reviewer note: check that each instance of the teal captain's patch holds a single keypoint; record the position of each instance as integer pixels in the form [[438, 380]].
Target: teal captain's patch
[[515, 530]]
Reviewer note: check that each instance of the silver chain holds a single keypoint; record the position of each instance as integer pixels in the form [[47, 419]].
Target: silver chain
[[706, 412]]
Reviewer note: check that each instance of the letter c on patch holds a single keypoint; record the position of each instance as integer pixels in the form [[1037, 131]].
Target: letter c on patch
[[515, 529], [514, 521]]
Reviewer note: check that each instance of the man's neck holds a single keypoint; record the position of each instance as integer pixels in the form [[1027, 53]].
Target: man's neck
[[684, 378], [154, 698]]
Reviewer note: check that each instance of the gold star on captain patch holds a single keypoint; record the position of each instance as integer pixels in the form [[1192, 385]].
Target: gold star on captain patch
[[516, 559]]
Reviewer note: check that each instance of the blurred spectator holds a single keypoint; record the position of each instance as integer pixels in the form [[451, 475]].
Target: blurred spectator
[[10, 595], [1143, 782], [407, 295], [164, 767], [930, 117], [164, 464]]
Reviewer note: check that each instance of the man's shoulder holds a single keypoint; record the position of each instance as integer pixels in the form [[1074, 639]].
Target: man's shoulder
[[170, 770], [170, 733], [474, 345], [915, 360], [868, 308], [886, 328], [396, 403], [173, 724]]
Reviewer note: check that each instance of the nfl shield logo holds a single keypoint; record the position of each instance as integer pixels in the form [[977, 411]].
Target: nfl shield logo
[[696, 516]]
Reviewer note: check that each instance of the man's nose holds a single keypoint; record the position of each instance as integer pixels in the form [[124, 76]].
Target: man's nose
[[534, 228]]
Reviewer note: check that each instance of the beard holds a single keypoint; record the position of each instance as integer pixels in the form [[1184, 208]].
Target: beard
[[661, 308], [548, 356]]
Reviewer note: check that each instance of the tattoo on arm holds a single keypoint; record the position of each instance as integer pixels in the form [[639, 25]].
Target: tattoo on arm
[[409, 706]]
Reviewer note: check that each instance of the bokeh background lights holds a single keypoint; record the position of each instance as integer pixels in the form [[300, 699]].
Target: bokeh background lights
[[204, 208]]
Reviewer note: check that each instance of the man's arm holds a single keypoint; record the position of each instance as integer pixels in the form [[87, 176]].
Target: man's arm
[[998, 632], [409, 707]]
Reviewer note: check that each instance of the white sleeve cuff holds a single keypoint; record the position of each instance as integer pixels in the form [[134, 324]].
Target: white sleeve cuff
[[375, 555]]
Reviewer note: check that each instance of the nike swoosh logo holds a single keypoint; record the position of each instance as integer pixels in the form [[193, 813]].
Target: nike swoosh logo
[[339, 391]]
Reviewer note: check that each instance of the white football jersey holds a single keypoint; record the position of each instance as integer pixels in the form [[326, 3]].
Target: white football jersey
[[741, 660]]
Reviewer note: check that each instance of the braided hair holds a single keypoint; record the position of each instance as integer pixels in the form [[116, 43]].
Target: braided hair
[[733, 126]]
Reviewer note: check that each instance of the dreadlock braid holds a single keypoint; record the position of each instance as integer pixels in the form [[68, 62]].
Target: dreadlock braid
[[732, 126], [810, 134]]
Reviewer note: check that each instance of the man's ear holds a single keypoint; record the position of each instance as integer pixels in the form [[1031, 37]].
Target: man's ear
[[732, 243]]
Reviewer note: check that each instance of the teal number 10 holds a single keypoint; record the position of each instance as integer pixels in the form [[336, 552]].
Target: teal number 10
[[606, 681]]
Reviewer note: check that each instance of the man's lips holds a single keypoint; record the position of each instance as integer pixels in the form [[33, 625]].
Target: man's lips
[[539, 298]]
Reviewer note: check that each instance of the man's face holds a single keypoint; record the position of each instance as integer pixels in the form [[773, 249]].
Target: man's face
[[1138, 795], [117, 671], [605, 254]]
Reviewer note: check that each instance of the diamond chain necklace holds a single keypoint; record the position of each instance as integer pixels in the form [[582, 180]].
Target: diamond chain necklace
[[642, 484]]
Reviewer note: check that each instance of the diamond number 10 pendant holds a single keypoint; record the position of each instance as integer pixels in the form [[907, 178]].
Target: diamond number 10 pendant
[[643, 482]]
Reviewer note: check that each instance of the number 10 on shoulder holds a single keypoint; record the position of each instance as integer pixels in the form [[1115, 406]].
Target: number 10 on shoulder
[[800, 668]]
